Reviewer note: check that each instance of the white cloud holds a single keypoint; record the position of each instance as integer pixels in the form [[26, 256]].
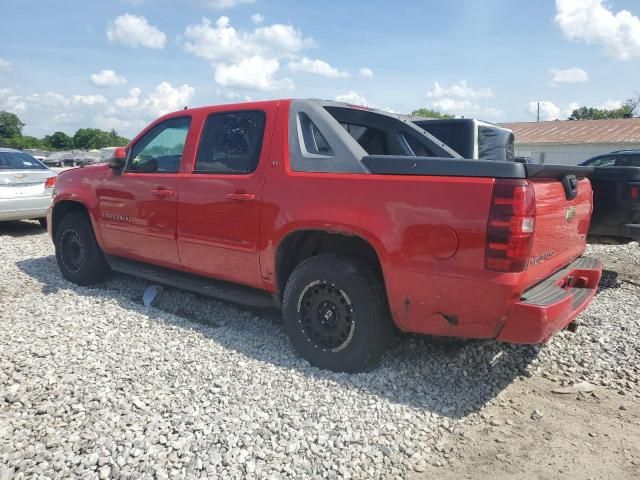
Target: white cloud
[[317, 67], [548, 110], [45, 112], [88, 100], [66, 117], [5, 66], [129, 125], [569, 75], [246, 59], [220, 4], [107, 78], [135, 31], [223, 42], [164, 99], [365, 72], [257, 18], [354, 98], [458, 90], [131, 101], [462, 100], [281, 38], [591, 22], [254, 73]]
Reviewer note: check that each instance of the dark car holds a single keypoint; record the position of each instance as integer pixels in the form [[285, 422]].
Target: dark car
[[616, 192], [619, 158]]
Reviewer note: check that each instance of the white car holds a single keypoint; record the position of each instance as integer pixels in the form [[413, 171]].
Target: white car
[[26, 185]]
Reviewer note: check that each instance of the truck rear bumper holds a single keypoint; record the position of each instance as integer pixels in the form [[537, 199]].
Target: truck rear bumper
[[552, 304]]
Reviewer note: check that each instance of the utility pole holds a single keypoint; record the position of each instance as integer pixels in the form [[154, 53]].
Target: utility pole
[[538, 112]]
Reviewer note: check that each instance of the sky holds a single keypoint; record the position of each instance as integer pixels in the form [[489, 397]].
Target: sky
[[122, 63]]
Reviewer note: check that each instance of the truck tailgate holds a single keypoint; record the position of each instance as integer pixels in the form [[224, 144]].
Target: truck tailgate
[[561, 227]]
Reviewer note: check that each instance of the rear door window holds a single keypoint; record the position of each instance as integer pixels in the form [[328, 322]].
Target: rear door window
[[602, 162], [231, 142]]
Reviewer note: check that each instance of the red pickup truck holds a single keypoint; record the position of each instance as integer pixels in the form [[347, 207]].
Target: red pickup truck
[[355, 221]]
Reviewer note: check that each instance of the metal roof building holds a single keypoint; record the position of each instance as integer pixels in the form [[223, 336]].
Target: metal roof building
[[572, 141]]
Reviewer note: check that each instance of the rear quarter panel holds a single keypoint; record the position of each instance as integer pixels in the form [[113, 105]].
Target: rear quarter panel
[[429, 234]]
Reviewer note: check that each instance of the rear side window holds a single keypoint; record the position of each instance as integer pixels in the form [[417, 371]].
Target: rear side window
[[160, 149], [231, 142], [371, 139], [313, 141], [417, 148], [603, 162], [19, 161]]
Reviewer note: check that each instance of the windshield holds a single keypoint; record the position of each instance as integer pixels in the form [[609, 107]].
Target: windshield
[[19, 161]]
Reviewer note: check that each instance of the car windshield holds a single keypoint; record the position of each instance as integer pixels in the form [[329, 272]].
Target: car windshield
[[19, 161]]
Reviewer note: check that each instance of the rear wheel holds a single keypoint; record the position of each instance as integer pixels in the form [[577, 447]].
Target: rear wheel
[[79, 257], [336, 313]]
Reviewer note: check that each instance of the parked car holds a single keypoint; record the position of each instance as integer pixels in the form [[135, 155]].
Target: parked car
[[26, 185], [618, 158], [325, 208], [616, 191]]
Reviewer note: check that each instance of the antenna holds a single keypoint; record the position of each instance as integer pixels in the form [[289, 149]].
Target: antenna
[[538, 112]]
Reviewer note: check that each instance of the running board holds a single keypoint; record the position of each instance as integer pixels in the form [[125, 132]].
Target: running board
[[230, 292]]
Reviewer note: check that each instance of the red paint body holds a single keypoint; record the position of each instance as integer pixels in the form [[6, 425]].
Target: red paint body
[[429, 232]]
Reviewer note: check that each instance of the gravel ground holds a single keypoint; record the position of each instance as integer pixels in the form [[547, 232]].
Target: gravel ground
[[94, 384]]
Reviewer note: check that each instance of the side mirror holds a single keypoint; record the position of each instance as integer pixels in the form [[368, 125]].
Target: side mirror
[[118, 158]]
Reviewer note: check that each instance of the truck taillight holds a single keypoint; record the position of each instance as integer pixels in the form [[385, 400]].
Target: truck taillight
[[50, 182], [510, 226]]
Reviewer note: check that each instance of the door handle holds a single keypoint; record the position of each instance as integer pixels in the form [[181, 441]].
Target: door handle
[[241, 196], [162, 192]]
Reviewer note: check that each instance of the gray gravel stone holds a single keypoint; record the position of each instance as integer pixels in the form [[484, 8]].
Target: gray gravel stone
[[95, 385]]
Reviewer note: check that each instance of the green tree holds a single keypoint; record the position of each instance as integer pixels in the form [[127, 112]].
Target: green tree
[[58, 141], [21, 142], [10, 125], [591, 113], [88, 138], [428, 113]]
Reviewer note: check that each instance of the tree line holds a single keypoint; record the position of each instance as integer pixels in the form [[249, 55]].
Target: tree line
[[84, 139]]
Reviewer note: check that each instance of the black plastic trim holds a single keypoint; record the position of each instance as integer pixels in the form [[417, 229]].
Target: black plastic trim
[[535, 170], [444, 167], [206, 286], [627, 174], [548, 292]]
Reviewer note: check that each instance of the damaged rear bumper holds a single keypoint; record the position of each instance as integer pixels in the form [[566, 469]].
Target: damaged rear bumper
[[552, 304]]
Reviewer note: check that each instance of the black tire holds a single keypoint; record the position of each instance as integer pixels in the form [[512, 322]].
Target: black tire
[[43, 222], [79, 257], [336, 314]]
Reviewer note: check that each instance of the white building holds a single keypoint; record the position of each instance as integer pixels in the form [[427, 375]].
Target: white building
[[570, 142]]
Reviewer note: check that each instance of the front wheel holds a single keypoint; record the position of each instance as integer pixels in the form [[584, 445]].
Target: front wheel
[[336, 314], [77, 252]]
